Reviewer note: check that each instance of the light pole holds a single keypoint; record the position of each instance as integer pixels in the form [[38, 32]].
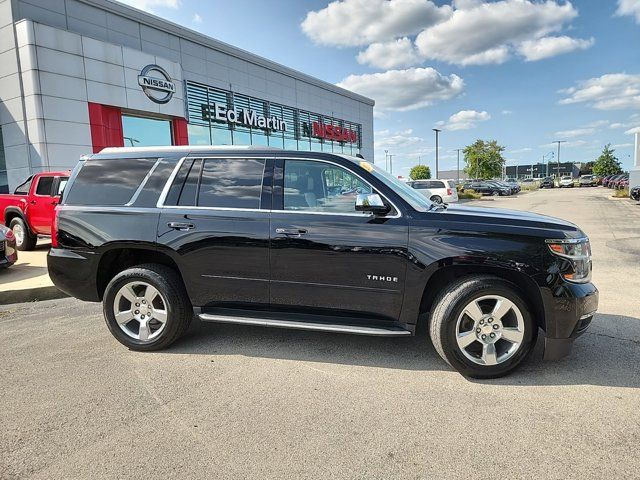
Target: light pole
[[558, 158], [386, 160], [543, 159], [391, 164], [437, 132], [458, 168]]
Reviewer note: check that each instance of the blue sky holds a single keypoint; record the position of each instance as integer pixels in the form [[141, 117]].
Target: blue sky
[[522, 72]]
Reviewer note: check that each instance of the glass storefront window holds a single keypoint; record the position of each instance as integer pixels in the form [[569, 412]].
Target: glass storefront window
[[145, 132], [221, 136], [259, 138], [199, 135], [241, 137]]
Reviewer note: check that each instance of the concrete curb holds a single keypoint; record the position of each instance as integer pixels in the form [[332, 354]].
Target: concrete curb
[[30, 295]]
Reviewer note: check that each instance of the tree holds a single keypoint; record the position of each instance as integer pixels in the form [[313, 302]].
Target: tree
[[607, 163], [586, 168], [420, 172], [484, 159]]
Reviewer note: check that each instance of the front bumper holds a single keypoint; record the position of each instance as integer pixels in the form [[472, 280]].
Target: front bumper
[[8, 253], [569, 309]]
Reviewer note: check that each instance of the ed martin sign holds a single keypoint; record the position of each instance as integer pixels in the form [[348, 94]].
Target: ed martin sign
[[250, 118], [156, 84]]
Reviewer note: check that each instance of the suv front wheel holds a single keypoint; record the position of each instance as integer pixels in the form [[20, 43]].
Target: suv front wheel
[[482, 326], [146, 307]]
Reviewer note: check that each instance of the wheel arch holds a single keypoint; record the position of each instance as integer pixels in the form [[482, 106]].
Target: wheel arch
[[120, 257], [447, 274], [12, 212]]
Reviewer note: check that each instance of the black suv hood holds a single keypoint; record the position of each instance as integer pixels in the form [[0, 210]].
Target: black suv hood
[[503, 219]]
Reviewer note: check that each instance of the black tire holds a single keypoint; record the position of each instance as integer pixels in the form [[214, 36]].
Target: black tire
[[449, 305], [436, 199], [168, 282], [28, 239], [495, 193]]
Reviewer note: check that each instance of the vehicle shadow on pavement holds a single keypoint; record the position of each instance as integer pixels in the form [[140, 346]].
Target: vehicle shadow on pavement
[[599, 359]]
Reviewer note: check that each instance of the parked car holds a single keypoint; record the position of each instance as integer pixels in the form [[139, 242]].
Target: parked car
[[529, 180], [8, 250], [438, 191], [587, 181], [259, 236], [566, 181], [611, 183], [623, 183], [29, 210], [513, 182], [487, 188], [635, 193], [620, 182], [511, 188], [547, 182]]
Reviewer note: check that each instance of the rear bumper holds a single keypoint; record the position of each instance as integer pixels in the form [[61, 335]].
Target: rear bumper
[[74, 273], [569, 309]]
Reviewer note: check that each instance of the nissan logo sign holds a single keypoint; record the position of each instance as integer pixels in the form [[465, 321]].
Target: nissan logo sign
[[156, 84]]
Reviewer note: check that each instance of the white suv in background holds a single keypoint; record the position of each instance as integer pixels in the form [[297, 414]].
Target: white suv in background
[[438, 191], [566, 182]]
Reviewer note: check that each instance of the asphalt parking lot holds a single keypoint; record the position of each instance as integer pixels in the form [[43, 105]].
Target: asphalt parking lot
[[244, 402]]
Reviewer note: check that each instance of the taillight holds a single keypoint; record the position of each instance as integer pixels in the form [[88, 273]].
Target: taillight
[[449, 191], [54, 228]]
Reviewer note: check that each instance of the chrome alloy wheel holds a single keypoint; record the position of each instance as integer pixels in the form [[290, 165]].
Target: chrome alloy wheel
[[18, 232], [140, 310], [490, 330]]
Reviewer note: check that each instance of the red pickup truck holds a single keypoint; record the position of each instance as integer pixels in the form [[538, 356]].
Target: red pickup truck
[[29, 210]]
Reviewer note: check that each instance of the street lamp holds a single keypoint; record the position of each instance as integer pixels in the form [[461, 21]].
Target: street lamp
[[437, 132], [386, 160], [543, 158], [558, 158], [458, 167]]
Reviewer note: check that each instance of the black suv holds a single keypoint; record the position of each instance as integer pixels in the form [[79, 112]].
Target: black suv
[[313, 241]]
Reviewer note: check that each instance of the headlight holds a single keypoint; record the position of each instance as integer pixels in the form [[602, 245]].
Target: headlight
[[577, 252]]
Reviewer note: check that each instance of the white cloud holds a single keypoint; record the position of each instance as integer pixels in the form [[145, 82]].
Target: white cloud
[[197, 18], [464, 120], [362, 22], [149, 5], [392, 54], [520, 150], [403, 90], [631, 131], [613, 91], [545, 47], [483, 33], [506, 112], [576, 132], [386, 139], [629, 7], [622, 145]]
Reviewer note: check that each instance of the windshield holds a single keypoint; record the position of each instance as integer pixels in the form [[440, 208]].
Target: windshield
[[414, 198]]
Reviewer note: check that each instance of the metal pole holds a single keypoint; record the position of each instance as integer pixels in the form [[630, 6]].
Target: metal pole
[[437, 132], [558, 159], [391, 164], [386, 160], [458, 168]]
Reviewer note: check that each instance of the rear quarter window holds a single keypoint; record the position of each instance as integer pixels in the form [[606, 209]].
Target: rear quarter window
[[108, 181]]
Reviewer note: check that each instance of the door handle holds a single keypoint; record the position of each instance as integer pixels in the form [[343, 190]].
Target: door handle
[[33, 202], [291, 232], [183, 227]]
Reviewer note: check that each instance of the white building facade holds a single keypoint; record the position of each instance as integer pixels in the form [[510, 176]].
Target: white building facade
[[80, 75]]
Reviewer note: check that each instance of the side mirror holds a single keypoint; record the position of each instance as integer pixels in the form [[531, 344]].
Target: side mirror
[[371, 202]]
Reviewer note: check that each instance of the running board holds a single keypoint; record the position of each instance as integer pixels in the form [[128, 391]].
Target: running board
[[297, 325]]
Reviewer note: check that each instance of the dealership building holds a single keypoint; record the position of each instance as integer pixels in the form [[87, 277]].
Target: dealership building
[[80, 75]]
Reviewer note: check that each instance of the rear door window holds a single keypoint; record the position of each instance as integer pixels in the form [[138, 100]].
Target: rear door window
[[44, 186], [23, 189], [231, 183], [108, 181]]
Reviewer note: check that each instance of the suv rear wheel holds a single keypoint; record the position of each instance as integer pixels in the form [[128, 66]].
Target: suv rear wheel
[[482, 326], [147, 307]]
